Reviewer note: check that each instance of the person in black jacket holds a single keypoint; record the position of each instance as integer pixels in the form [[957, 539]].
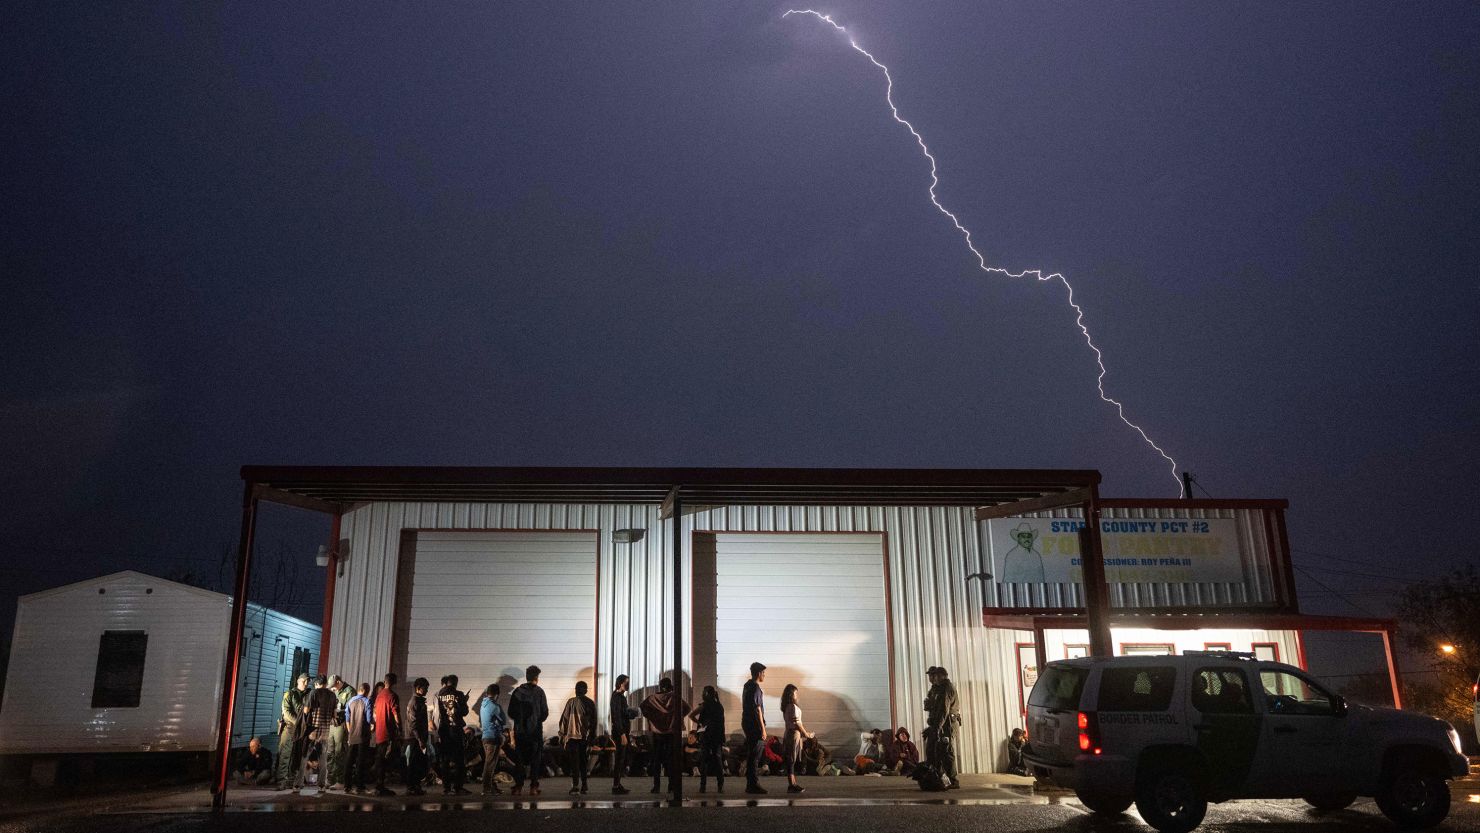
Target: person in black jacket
[[254, 764], [416, 728], [710, 716], [447, 721], [528, 710], [621, 724]]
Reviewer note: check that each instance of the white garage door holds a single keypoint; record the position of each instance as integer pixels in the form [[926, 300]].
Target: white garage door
[[813, 609], [485, 605]]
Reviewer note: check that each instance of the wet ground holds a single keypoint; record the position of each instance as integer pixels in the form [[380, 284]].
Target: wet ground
[[853, 805]]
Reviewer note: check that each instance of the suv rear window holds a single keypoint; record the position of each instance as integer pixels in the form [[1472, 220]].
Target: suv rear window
[[1058, 688], [1136, 689]]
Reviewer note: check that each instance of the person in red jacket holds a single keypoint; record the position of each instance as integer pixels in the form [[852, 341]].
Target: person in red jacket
[[387, 730]]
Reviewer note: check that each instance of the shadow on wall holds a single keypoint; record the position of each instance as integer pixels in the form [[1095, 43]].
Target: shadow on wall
[[835, 719]]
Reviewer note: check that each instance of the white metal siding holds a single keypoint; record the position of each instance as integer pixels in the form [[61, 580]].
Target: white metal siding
[[936, 610], [54, 652], [813, 609], [485, 605]]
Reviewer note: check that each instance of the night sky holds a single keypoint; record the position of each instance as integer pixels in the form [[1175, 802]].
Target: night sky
[[690, 234]]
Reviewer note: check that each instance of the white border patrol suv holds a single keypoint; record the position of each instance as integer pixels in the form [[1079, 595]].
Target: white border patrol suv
[[1172, 733]]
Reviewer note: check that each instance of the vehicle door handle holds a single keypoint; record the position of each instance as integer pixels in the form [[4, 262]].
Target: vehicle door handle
[[1285, 730]]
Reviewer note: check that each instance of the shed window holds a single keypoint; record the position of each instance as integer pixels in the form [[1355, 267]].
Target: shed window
[[120, 674]]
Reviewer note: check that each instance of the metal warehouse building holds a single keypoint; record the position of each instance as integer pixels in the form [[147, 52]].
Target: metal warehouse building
[[849, 583]]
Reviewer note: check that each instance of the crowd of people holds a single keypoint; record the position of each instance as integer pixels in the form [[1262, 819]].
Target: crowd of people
[[332, 735]]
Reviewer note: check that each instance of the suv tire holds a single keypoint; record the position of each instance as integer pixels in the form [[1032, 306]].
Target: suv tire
[[1102, 803], [1331, 803], [1170, 798], [1413, 796]]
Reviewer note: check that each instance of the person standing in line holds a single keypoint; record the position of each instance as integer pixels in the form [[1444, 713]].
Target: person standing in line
[[387, 730], [290, 714], [449, 716], [320, 710], [621, 725], [753, 723], [416, 730], [942, 717], [338, 736], [710, 717], [791, 742], [577, 731], [357, 729], [528, 709], [664, 711], [492, 723]]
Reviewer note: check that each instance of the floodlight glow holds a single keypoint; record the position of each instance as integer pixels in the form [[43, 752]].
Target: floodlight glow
[[980, 258]]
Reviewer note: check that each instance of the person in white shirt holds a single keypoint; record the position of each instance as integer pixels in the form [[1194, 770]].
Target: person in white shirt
[[791, 742]]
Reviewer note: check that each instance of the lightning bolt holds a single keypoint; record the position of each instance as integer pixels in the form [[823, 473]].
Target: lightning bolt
[[980, 258]]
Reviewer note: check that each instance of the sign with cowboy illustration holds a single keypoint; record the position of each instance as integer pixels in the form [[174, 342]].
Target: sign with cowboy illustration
[[1046, 550]]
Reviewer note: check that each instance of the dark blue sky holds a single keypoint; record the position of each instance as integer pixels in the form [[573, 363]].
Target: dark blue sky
[[689, 234]]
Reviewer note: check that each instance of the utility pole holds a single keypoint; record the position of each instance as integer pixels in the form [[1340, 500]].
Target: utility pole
[[1187, 484]]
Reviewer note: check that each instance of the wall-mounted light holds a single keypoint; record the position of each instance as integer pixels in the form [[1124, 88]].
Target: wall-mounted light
[[339, 555], [627, 536]]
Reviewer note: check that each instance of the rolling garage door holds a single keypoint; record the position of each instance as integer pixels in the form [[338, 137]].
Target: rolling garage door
[[814, 609], [484, 605]]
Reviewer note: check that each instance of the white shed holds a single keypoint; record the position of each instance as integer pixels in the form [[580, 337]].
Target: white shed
[[132, 663]]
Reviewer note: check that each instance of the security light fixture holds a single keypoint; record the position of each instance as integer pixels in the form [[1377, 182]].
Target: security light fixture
[[627, 536]]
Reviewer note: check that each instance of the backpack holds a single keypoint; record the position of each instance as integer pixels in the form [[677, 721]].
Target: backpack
[[929, 778]]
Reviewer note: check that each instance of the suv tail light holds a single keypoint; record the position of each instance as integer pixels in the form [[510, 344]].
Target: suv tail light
[[1089, 732]]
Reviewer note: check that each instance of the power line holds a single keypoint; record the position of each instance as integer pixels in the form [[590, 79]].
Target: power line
[[1333, 590]]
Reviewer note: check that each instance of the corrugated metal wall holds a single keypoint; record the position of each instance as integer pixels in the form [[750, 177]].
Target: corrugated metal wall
[[1255, 536], [936, 610]]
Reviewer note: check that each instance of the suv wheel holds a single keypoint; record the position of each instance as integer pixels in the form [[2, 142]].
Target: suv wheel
[[1101, 803], [1413, 796], [1170, 799], [1332, 802]]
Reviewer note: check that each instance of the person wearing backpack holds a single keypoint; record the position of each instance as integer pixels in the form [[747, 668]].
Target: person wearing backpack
[[492, 723], [577, 731], [447, 721], [528, 709], [665, 712]]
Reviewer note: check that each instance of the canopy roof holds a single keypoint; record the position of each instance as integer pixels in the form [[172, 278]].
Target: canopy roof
[[335, 488]]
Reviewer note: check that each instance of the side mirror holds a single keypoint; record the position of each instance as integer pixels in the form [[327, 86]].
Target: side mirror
[[1338, 704]]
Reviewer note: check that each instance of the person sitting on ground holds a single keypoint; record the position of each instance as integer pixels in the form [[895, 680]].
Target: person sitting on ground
[[815, 756], [904, 756], [870, 752], [254, 765], [1015, 763], [773, 756], [691, 754], [601, 754]]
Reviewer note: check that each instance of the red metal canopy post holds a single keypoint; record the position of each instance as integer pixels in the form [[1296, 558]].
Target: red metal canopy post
[[234, 647]]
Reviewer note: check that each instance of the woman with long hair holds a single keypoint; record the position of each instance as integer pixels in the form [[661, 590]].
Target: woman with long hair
[[710, 716], [791, 743]]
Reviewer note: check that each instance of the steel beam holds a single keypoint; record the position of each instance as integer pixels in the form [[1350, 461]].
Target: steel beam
[[222, 772]]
